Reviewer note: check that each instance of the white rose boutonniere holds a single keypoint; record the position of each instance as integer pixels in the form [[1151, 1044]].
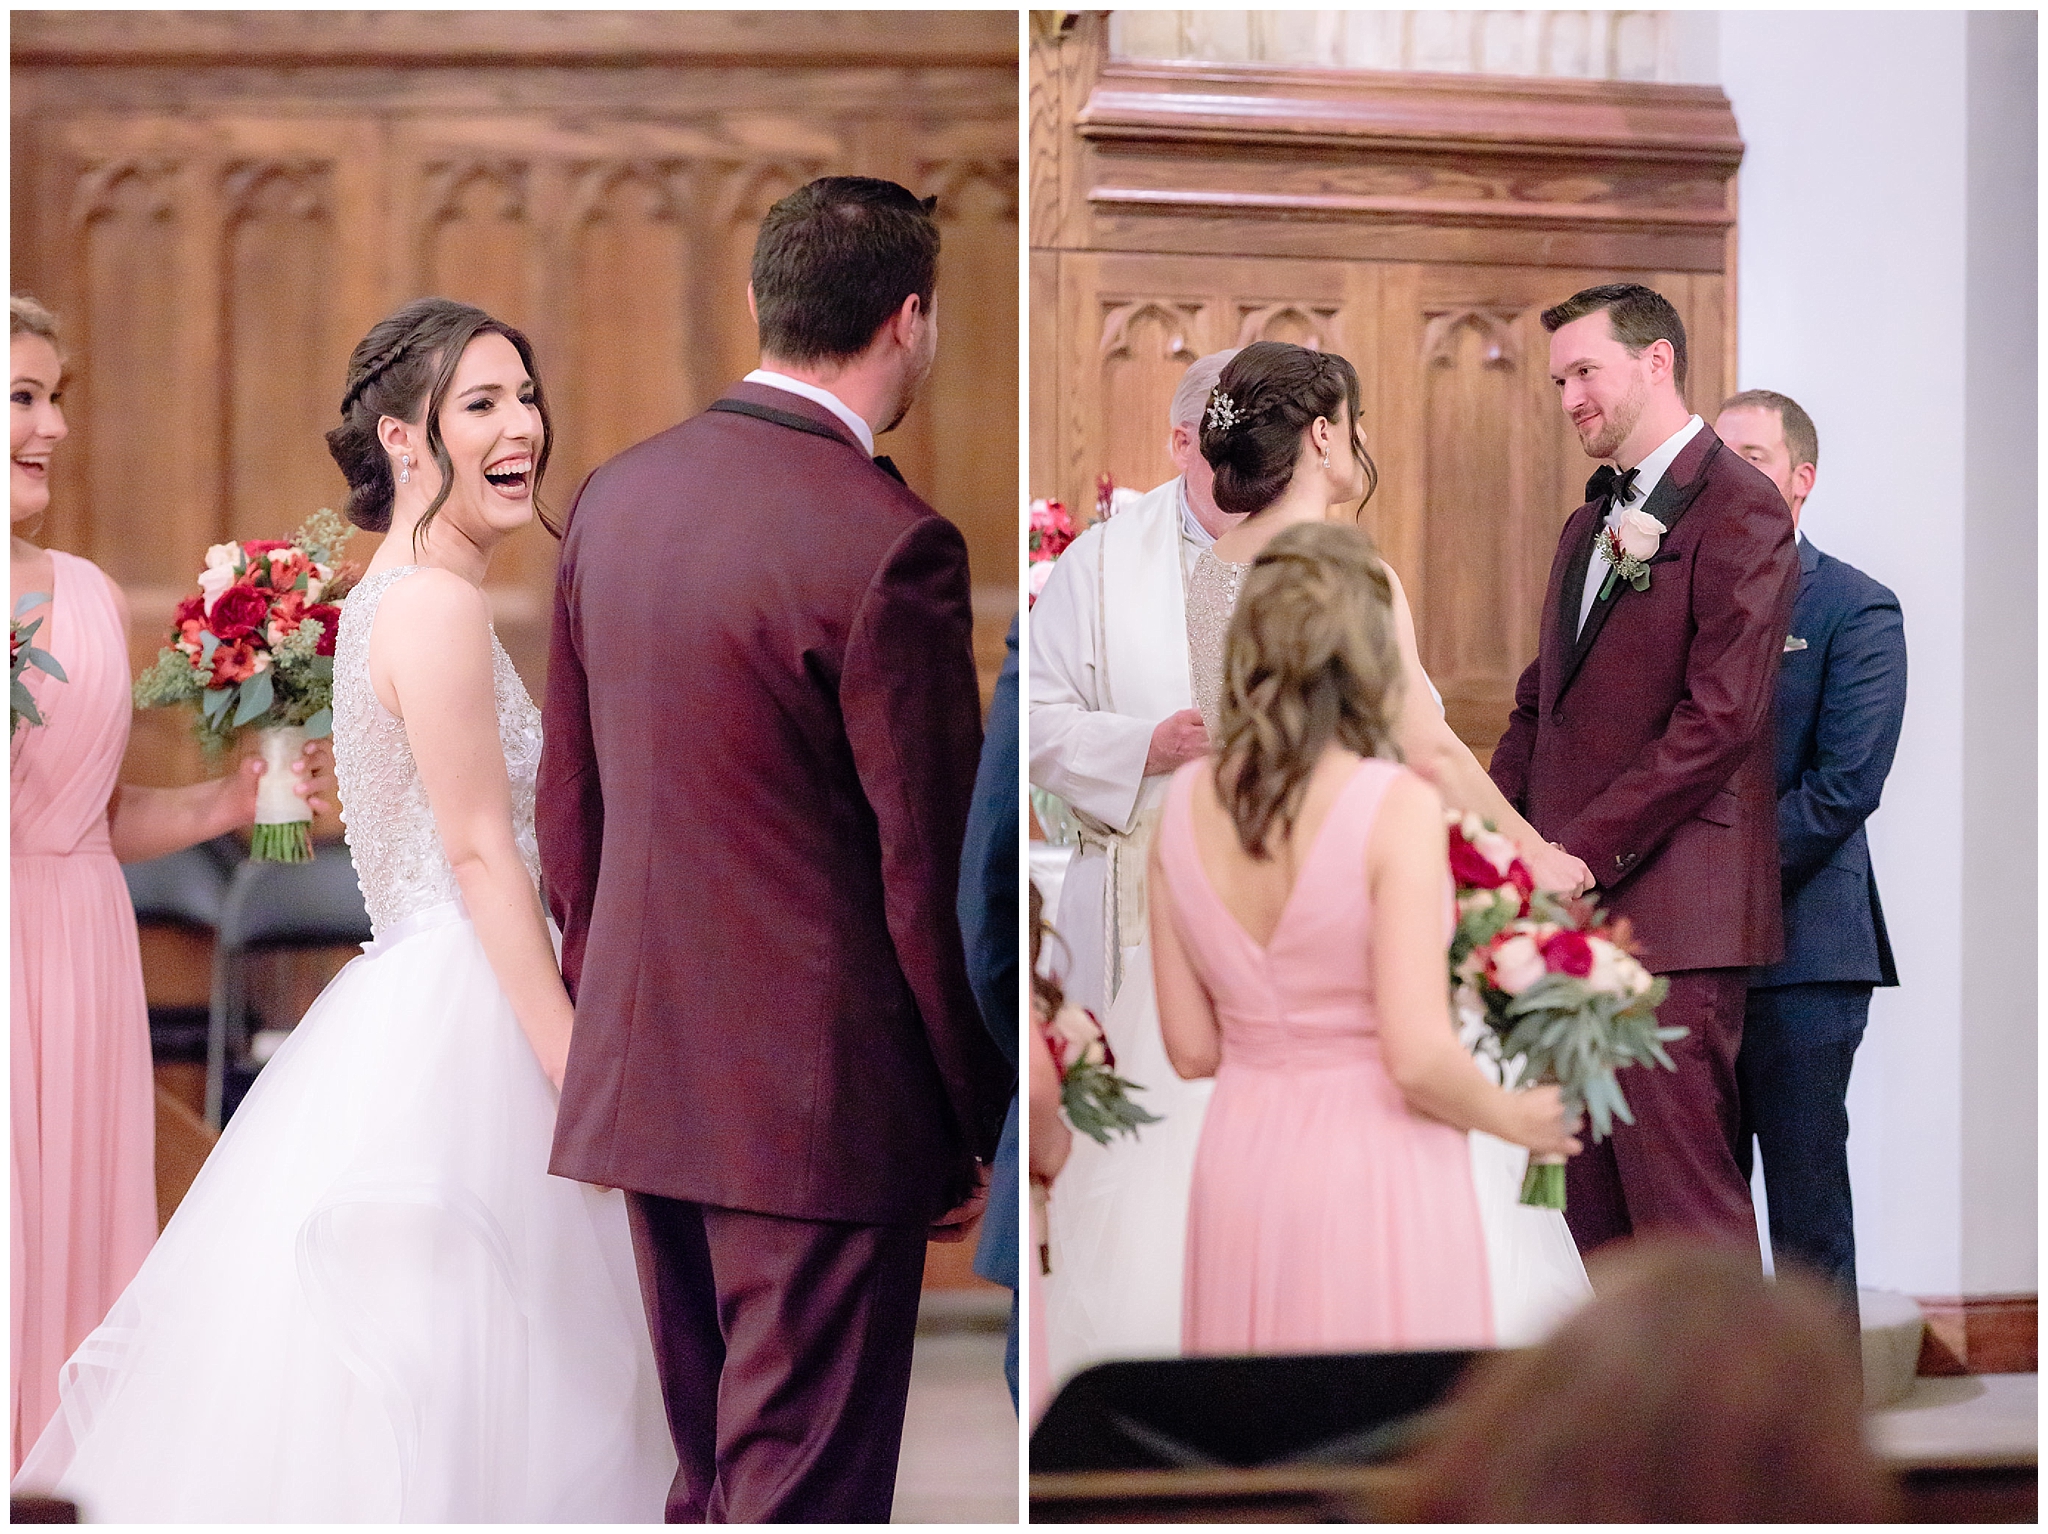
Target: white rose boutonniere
[[1629, 546]]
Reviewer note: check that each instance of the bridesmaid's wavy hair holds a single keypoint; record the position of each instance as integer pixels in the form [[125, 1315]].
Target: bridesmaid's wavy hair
[[403, 366], [1277, 390], [1310, 658]]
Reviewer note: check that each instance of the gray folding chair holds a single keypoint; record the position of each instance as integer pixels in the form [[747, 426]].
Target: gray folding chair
[[271, 906]]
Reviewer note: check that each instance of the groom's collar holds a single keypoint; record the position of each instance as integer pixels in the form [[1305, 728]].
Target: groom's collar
[[1658, 461], [837, 408]]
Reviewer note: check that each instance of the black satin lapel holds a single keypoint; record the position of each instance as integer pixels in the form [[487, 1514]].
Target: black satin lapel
[[1573, 590]]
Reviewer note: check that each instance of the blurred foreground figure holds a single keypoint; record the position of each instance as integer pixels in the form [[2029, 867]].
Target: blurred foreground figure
[[1691, 1390]]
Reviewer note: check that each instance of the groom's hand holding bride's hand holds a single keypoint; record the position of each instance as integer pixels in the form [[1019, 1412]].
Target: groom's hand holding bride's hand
[[958, 1223], [1555, 869]]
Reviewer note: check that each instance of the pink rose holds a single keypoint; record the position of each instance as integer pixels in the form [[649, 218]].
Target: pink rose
[[1639, 534], [1517, 964]]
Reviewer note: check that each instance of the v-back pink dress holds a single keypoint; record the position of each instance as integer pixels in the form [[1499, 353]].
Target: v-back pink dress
[[1326, 1214], [82, 1093]]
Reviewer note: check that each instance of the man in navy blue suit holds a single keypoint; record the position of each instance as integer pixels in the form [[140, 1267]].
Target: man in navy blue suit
[[988, 925], [1841, 700]]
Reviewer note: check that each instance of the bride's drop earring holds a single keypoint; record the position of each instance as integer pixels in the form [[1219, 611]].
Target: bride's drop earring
[[1326, 458], [405, 467]]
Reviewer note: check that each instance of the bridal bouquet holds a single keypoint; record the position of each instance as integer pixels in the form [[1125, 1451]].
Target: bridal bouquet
[[21, 655], [1051, 531], [1550, 985], [255, 649], [1096, 1099]]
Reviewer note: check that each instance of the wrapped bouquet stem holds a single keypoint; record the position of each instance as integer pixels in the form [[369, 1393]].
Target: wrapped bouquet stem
[[283, 832]]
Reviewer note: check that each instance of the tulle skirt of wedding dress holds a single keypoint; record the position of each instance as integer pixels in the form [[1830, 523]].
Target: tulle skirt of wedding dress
[[1538, 1278], [375, 1304], [1118, 1217]]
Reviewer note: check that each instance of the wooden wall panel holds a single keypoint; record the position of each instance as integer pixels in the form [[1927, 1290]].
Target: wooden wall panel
[[1417, 224], [218, 205], [281, 332]]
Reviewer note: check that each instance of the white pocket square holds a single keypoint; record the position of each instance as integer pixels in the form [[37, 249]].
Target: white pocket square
[[1793, 642]]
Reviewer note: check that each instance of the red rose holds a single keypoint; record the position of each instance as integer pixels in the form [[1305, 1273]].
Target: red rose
[[1470, 867], [255, 546], [1523, 880], [330, 624], [1568, 953], [240, 612]]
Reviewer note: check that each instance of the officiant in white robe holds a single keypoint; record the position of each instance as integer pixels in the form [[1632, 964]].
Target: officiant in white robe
[[1112, 703]]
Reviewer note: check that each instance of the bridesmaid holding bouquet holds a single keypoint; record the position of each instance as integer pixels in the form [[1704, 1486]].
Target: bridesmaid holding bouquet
[[1301, 900], [82, 1096]]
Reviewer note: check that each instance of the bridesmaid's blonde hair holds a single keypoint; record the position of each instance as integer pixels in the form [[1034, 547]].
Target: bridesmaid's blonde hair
[[1310, 658], [26, 317]]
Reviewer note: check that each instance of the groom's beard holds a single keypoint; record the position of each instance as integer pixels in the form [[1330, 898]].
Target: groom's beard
[[1617, 425]]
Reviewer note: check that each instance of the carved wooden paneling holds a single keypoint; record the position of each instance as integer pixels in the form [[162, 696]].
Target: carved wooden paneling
[[1416, 224], [218, 205], [281, 342]]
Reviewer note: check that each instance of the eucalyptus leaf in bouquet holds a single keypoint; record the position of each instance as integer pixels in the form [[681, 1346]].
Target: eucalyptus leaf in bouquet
[[22, 654]]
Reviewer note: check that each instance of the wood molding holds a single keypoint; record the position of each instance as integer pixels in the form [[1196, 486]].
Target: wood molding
[[1367, 109], [621, 38], [1980, 1334], [1293, 160]]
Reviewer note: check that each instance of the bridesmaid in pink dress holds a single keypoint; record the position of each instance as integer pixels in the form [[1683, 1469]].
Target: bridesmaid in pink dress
[[1299, 920], [82, 1094]]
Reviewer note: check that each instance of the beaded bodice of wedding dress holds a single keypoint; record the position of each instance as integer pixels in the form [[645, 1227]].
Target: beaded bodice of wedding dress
[[1212, 595], [391, 835]]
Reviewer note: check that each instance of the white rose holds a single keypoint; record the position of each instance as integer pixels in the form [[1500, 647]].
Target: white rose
[[1607, 974], [227, 555], [1076, 1027], [213, 580], [1638, 533], [1496, 849], [1638, 979], [1517, 964]]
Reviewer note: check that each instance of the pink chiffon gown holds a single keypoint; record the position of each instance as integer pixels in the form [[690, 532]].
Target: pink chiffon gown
[[1326, 1214], [82, 1092]]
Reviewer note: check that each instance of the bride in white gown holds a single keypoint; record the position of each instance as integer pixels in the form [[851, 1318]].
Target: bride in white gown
[[1117, 1219], [375, 1304]]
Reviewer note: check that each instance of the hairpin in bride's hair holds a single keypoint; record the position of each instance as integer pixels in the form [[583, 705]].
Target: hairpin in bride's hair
[[1223, 412]]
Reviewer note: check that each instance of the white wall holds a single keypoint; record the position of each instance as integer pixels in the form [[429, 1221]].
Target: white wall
[[1886, 231]]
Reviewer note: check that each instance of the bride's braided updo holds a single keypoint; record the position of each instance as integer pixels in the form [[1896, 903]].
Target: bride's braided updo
[[1273, 391], [1310, 658], [402, 368]]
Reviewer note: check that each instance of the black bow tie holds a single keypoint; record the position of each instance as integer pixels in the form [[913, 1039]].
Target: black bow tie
[[1610, 486], [888, 468]]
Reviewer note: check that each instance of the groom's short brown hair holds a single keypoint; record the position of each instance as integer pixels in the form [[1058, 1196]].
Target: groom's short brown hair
[[835, 259], [1637, 315]]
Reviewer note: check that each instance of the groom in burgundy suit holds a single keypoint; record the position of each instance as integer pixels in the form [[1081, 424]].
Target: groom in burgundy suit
[[762, 732], [1641, 742]]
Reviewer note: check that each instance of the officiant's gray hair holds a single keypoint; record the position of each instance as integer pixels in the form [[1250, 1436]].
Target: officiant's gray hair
[[1196, 385]]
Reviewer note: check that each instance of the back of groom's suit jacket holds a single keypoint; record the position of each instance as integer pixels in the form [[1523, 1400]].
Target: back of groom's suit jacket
[[1841, 702], [1644, 744], [762, 727]]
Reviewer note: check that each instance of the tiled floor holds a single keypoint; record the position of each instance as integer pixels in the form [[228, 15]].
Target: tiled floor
[[1962, 1419], [960, 1443]]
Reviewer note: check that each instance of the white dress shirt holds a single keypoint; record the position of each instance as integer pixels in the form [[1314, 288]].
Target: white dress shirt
[[818, 396], [1649, 473]]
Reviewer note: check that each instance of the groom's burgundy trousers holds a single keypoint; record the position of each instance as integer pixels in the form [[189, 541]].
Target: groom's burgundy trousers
[[784, 1347], [1674, 1168]]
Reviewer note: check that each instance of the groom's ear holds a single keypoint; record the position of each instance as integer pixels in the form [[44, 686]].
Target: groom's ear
[[753, 309]]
